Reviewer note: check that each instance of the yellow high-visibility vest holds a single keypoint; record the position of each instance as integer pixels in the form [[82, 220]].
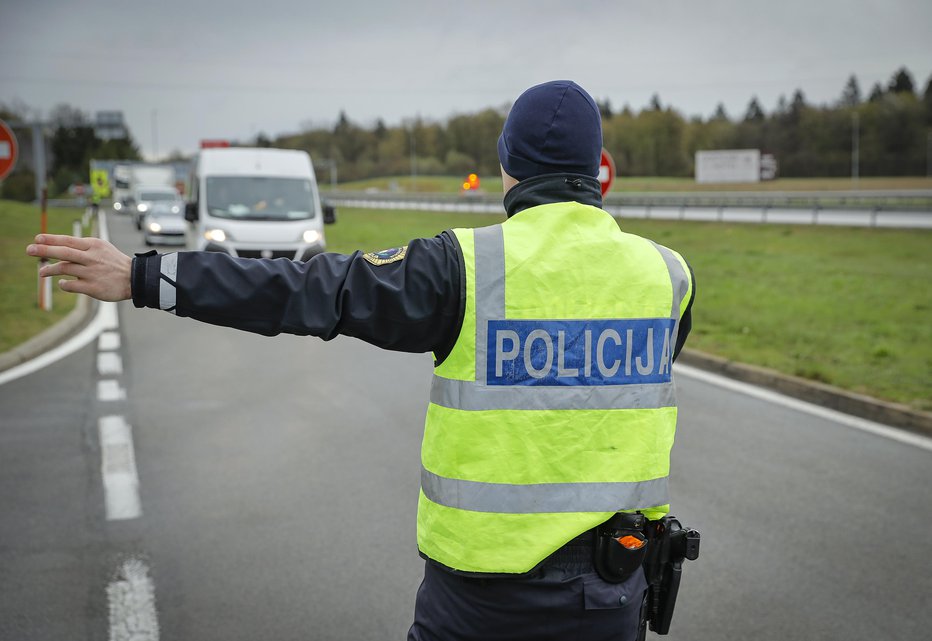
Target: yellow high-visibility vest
[[556, 406]]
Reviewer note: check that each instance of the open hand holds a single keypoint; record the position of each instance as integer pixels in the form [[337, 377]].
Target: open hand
[[100, 270]]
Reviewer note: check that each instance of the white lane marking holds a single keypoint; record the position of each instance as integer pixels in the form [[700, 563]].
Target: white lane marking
[[108, 341], [106, 318], [878, 429], [131, 599], [110, 390], [101, 321], [109, 318], [118, 468], [109, 364]]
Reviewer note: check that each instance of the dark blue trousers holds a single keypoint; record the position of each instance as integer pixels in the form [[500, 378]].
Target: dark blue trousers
[[565, 600]]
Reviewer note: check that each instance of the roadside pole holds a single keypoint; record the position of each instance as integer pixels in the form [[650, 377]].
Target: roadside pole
[[45, 284]]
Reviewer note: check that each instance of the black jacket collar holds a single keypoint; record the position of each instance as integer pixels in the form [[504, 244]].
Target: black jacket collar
[[553, 188]]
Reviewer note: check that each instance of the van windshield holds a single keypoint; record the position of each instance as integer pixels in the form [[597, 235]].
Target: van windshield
[[152, 196], [260, 198]]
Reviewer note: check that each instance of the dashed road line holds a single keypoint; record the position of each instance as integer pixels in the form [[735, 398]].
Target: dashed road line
[[131, 600], [109, 364], [108, 341], [131, 596], [110, 390], [118, 468]]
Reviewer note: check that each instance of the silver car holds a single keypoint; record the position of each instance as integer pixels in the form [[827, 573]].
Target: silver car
[[164, 224], [145, 197]]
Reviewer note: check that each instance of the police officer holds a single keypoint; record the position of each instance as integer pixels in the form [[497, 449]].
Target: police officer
[[552, 406]]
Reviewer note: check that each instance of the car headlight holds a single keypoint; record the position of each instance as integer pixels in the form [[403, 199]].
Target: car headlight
[[216, 235], [143, 207], [117, 205], [311, 236], [155, 228]]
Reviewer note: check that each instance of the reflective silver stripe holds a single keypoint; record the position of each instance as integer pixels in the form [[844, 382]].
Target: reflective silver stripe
[[489, 288], [543, 497], [678, 278], [167, 279], [467, 395]]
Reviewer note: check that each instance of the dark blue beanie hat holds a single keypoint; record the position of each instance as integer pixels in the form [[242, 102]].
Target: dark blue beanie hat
[[552, 128]]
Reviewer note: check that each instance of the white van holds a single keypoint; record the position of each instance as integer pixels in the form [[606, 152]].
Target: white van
[[256, 203]]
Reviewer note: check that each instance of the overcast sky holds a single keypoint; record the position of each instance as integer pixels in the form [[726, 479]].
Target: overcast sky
[[186, 70]]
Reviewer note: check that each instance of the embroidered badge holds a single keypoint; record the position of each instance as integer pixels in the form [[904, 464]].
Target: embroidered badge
[[386, 256]]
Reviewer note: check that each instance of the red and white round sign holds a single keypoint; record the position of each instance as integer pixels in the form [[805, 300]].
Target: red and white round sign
[[606, 171], [8, 150]]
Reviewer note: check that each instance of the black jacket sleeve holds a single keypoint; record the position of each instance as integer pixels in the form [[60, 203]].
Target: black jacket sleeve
[[412, 305]]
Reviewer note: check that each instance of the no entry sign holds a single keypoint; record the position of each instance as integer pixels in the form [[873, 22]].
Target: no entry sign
[[606, 171], [8, 150]]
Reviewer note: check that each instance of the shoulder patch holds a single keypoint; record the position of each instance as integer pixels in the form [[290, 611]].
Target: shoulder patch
[[386, 256]]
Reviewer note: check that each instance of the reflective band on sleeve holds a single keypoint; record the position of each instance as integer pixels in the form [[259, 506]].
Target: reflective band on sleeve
[[467, 395], [543, 497], [167, 279], [490, 288]]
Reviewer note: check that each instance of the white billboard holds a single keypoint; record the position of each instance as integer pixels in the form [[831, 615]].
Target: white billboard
[[728, 166]]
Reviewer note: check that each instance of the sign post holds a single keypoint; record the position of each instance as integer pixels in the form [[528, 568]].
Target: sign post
[[9, 150], [45, 284], [606, 171]]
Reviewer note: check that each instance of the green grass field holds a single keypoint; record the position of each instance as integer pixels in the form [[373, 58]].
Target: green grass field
[[19, 311], [845, 306]]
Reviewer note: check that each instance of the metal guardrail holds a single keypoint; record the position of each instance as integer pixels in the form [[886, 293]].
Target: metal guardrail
[[896, 209], [900, 200], [904, 210]]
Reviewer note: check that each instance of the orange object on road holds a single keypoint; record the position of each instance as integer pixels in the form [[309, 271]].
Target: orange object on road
[[631, 542]]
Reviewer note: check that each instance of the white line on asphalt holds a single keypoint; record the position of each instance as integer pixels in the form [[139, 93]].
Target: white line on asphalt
[[105, 319], [855, 422], [109, 364], [118, 468], [108, 341], [131, 599], [110, 390]]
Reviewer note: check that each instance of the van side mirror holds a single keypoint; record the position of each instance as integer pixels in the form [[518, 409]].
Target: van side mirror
[[190, 212], [330, 214]]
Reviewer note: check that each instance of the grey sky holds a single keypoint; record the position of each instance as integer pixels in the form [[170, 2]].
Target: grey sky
[[185, 70]]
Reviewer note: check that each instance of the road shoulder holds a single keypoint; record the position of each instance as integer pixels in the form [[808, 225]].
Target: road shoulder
[[827, 396]]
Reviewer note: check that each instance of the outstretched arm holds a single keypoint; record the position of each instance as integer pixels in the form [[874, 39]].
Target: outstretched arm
[[100, 270]]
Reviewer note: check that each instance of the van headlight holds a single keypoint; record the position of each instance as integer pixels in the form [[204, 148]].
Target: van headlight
[[143, 207], [155, 227], [311, 236], [216, 235]]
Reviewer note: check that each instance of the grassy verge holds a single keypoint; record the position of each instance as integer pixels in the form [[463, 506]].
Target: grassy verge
[[21, 317], [845, 306]]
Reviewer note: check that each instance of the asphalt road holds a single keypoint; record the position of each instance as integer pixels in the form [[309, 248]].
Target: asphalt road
[[278, 482]]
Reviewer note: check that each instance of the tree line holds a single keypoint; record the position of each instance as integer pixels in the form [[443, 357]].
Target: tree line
[[72, 145], [892, 126]]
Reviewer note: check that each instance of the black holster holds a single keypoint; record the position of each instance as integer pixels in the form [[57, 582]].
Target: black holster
[[670, 544], [667, 544]]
